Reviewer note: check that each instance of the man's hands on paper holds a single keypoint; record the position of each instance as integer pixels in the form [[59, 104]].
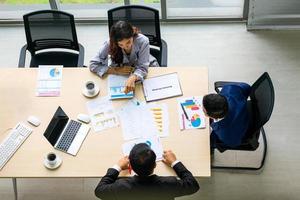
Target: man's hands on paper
[[169, 157], [124, 163]]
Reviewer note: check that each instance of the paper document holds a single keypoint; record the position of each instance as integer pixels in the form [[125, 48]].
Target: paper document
[[102, 114], [116, 87], [136, 121], [161, 87], [154, 142], [190, 113], [49, 80]]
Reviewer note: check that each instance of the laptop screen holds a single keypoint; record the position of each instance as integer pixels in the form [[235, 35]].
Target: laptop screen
[[56, 126]]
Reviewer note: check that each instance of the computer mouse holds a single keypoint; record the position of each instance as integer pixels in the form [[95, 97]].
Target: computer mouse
[[84, 118], [34, 120]]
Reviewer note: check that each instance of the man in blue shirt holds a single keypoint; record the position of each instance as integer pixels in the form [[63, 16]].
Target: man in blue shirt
[[228, 110]]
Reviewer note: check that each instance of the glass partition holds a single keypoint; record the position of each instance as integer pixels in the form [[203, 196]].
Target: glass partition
[[86, 9], [97, 9], [191, 9]]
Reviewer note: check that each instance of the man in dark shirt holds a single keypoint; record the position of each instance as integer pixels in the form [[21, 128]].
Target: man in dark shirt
[[145, 185]]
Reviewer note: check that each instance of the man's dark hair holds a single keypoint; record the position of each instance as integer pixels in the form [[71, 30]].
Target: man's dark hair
[[216, 105], [142, 159]]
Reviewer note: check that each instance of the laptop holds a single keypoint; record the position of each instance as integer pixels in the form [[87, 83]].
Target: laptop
[[65, 134]]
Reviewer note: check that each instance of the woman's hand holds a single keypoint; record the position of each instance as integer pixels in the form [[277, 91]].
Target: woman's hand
[[125, 70], [130, 83]]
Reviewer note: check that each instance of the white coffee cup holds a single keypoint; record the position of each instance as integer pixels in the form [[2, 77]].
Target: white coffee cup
[[90, 87], [52, 159]]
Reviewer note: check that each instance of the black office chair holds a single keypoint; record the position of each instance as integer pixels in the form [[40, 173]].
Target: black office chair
[[51, 40], [146, 19], [260, 107]]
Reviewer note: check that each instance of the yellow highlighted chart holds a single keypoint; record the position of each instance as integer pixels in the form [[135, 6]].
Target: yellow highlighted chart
[[161, 118]]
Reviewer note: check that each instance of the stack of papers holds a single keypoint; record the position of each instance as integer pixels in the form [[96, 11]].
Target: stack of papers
[[190, 112], [102, 114], [137, 121], [116, 87], [49, 81], [144, 123], [141, 120]]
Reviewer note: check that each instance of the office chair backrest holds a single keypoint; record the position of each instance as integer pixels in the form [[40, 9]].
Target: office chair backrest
[[262, 97], [50, 29], [146, 19]]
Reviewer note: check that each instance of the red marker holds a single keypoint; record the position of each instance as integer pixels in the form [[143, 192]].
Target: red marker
[[129, 169]]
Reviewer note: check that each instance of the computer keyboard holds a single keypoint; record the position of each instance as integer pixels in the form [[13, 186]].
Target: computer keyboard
[[68, 135], [12, 142]]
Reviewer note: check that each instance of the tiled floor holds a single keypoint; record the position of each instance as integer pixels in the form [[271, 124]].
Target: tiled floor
[[230, 53]]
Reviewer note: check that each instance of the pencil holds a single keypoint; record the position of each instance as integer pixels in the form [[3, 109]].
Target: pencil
[[186, 116]]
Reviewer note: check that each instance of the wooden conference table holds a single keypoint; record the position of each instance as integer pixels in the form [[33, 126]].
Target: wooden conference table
[[100, 150]]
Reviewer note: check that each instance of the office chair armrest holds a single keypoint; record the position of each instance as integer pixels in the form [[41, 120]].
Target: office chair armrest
[[80, 56], [220, 84], [22, 56], [164, 53]]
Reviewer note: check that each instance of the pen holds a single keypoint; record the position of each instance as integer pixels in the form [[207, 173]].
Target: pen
[[129, 169], [186, 116]]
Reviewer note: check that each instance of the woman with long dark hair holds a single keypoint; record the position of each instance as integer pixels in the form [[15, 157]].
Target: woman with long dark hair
[[126, 53]]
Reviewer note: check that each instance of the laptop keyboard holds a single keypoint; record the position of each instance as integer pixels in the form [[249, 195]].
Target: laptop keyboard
[[68, 135]]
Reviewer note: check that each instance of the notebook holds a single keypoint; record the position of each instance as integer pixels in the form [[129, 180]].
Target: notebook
[[162, 87], [116, 87]]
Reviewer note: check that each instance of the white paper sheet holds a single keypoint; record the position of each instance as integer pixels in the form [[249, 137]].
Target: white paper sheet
[[136, 121], [102, 114], [154, 142], [49, 80], [161, 118]]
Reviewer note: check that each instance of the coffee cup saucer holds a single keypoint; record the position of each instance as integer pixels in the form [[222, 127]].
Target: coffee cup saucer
[[87, 94], [58, 163]]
